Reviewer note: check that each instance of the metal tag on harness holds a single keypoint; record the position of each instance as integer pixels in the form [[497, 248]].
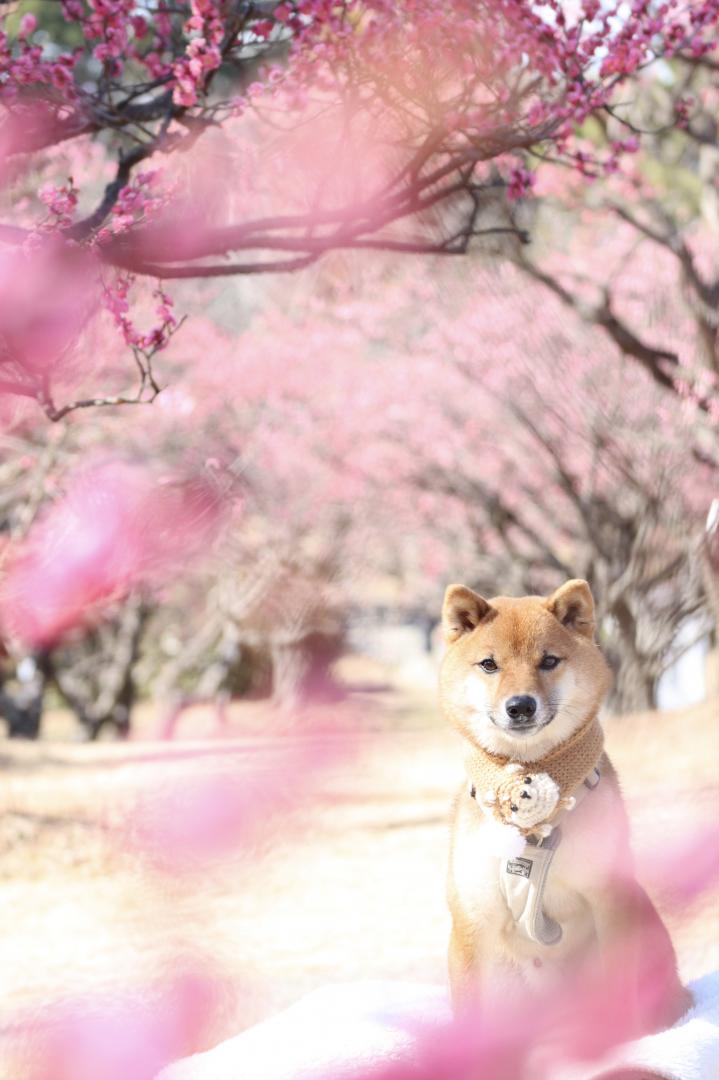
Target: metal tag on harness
[[520, 867]]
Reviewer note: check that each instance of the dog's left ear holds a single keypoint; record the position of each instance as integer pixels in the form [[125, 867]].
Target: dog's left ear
[[573, 605]]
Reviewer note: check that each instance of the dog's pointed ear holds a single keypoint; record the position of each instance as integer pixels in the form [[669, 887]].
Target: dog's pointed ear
[[573, 605], [462, 611]]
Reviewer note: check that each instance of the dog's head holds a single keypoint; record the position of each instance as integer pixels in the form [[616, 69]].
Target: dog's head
[[520, 675]]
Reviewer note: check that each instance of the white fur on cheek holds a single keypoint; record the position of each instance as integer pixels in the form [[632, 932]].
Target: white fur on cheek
[[475, 693], [566, 685], [477, 703]]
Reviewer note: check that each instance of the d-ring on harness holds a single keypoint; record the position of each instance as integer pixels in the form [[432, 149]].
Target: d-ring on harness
[[523, 878]]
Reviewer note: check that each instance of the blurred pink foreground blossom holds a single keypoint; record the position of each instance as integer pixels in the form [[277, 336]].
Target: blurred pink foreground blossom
[[194, 819], [118, 526], [128, 1036], [688, 871], [49, 291]]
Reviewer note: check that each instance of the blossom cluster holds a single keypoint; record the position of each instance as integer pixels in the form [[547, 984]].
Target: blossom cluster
[[205, 30], [24, 64], [136, 201], [116, 300], [61, 201]]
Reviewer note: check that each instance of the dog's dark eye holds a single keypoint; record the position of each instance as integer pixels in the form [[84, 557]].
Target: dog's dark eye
[[487, 665], [549, 662]]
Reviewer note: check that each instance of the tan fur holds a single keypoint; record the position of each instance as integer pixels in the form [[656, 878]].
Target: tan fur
[[590, 891]]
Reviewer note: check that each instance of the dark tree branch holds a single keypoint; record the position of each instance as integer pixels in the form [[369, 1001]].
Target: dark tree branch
[[660, 363]]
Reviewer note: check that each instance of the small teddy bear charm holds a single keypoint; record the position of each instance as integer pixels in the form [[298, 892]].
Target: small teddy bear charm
[[526, 800]]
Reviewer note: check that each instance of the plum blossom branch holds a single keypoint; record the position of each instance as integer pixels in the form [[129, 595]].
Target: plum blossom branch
[[147, 390]]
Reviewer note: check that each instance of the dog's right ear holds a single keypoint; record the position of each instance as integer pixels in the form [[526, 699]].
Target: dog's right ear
[[573, 604], [462, 611]]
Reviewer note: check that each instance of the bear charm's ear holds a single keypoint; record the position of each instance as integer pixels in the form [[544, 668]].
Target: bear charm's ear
[[573, 605], [462, 611]]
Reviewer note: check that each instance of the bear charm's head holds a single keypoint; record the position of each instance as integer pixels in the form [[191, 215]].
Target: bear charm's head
[[526, 799]]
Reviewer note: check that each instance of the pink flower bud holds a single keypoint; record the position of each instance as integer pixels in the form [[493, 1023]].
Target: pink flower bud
[[28, 25]]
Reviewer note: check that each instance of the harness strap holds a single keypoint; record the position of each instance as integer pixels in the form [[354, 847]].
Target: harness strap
[[522, 880]]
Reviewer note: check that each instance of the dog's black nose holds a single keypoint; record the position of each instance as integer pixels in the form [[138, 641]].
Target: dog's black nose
[[521, 709]]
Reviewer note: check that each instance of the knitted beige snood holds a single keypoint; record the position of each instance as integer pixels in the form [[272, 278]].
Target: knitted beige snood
[[531, 795]]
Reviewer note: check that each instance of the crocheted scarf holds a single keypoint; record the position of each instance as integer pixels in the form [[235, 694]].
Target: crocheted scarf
[[531, 795]]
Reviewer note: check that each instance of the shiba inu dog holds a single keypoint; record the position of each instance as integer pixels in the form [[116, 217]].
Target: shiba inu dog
[[522, 681]]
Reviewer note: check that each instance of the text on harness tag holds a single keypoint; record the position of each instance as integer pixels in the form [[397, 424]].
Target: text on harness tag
[[520, 867]]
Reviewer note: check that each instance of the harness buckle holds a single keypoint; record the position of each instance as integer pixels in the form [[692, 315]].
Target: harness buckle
[[549, 843], [593, 779]]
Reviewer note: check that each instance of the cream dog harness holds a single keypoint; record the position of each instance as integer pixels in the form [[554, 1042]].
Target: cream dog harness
[[523, 878], [527, 799]]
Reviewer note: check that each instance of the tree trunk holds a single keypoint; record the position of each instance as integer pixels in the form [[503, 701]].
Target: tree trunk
[[114, 706], [301, 669], [635, 676], [634, 687], [291, 668], [23, 710], [106, 697], [23, 718]]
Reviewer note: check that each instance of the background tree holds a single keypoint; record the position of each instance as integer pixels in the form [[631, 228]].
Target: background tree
[[660, 212], [409, 117], [537, 456], [367, 422]]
